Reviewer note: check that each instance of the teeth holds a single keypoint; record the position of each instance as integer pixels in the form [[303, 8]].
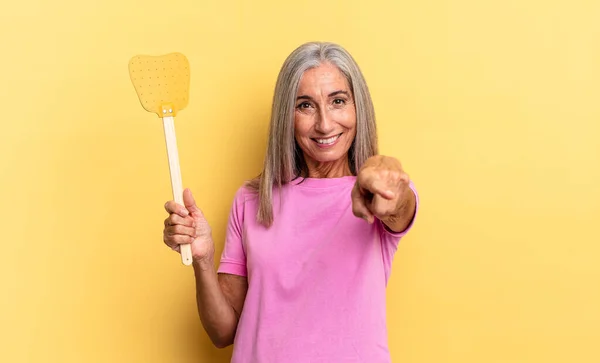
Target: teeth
[[327, 141]]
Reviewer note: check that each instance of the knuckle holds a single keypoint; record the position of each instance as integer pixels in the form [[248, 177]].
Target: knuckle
[[405, 178], [394, 174], [358, 204], [377, 212], [380, 209]]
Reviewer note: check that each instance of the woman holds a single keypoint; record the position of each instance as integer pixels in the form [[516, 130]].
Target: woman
[[301, 278]]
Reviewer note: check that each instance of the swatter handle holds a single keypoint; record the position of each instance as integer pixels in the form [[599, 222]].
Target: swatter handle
[[176, 183]]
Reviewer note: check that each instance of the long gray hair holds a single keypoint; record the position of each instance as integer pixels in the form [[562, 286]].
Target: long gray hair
[[284, 160]]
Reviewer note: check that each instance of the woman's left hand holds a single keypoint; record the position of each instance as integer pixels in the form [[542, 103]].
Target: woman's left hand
[[382, 191]]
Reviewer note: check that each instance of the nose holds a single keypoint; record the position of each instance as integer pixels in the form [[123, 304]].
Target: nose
[[324, 123]]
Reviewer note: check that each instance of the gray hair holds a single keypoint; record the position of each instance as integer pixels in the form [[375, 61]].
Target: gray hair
[[284, 160]]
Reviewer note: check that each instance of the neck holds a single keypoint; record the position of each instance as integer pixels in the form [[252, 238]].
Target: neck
[[333, 169]]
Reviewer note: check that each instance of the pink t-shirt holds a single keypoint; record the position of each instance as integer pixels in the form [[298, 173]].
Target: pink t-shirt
[[316, 277]]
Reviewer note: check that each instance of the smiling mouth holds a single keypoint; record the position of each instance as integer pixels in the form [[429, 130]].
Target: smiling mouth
[[327, 141]]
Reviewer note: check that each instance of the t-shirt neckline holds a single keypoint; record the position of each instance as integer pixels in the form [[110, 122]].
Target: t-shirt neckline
[[323, 182]]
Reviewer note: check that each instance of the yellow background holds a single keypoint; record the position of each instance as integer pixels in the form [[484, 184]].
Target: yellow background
[[492, 106]]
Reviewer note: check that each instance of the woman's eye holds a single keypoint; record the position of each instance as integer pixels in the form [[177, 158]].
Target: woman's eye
[[339, 101], [304, 105]]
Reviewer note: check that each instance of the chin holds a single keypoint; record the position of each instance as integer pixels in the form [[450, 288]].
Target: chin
[[328, 157]]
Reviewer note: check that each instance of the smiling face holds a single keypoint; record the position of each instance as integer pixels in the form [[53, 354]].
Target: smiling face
[[325, 121]]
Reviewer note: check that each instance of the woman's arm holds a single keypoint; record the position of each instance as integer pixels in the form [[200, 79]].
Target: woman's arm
[[220, 299], [400, 219]]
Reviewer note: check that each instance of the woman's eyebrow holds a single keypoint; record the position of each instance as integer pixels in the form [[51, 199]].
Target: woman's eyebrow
[[340, 92], [332, 94]]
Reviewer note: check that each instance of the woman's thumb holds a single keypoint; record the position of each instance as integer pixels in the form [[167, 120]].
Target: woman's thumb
[[189, 202]]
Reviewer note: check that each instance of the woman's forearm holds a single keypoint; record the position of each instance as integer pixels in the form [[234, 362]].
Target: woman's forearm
[[401, 219], [218, 317]]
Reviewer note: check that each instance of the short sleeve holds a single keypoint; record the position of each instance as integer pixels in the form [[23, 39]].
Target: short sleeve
[[233, 258]]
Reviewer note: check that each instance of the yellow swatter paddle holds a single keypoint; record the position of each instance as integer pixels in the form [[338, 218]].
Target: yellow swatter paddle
[[162, 84]]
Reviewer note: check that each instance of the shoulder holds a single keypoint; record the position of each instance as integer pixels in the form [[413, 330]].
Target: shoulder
[[245, 202], [245, 193]]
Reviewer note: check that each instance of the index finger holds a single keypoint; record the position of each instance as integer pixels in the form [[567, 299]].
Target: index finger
[[375, 186], [174, 219], [175, 208]]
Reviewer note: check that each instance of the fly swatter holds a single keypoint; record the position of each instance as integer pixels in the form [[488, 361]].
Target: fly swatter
[[162, 84]]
